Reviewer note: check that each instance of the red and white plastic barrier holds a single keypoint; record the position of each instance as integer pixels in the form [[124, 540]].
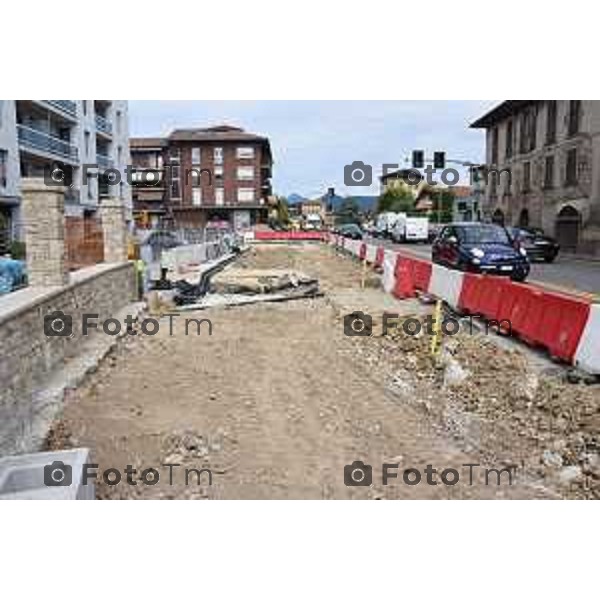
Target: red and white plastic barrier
[[568, 327]]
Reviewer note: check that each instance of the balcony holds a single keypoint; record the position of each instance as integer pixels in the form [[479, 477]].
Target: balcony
[[104, 161], [103, 125], [66, 106], [41, 142]]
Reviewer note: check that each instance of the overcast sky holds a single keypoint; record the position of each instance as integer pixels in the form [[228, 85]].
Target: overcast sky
[[312, 141]]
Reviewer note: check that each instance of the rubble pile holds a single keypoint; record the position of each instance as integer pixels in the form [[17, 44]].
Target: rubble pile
[[494, 400]]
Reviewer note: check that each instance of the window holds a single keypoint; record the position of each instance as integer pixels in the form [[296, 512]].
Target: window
[[528, 126], [197, 196], [175, 181], [218, 156], [494, 159], [571, 171], [175, 155], [509, 139], [574, 116], [549, 173], [551, 122], [245, 173], [3, 163], [219, 196], [196, 156], [196, 176], [246, 195], [218, 172], [526, 177], [87, 143], [84, 104], [244, 152]]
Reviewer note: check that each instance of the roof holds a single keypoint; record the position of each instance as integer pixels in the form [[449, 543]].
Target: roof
[[148, 142], [224, 133], [500, 112]]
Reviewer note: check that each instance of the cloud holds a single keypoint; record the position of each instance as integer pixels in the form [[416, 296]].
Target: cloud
[[313, 140]]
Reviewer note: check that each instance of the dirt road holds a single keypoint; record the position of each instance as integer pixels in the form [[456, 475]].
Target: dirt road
[[275, 403]]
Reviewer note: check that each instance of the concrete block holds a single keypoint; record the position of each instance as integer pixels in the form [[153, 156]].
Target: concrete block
[[26, 476]]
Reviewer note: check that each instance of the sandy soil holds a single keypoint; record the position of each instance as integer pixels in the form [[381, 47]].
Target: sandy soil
[[277, 401]]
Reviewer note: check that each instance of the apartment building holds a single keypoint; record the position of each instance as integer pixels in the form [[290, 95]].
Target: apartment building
[[149, 189], [35, 134], [551, 148], [219, 173]]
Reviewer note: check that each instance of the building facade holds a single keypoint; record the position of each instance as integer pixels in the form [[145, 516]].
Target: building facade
[[543, 161], [37, 135], [220, 173]]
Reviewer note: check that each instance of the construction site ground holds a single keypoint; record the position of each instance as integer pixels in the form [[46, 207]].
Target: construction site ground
[[278, 400]]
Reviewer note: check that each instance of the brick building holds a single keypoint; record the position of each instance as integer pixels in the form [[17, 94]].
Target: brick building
[[552, 150], [217, 173]]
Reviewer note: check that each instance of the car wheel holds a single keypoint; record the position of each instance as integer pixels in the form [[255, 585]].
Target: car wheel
[[549, 259], [519, 276]]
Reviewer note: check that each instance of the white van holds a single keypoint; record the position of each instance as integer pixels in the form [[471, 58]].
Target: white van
[[410, 229]]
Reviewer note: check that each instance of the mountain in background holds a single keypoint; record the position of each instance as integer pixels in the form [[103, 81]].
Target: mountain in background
[[295, 199]]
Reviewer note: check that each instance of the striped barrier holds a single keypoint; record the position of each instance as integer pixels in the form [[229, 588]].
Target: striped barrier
[[568, 327], [289, 236]]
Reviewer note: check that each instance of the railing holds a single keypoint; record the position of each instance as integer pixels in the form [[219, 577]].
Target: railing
[[104, 161], [103, 124], [67, 106], [36, 139]]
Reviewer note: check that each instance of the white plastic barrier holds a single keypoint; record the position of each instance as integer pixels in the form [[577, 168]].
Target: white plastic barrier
[[587, 356], [371, 253], [446, 284], [353, 246], [389, 266]]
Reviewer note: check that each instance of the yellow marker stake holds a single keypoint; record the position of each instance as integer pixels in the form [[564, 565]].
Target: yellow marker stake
[[436, 339]]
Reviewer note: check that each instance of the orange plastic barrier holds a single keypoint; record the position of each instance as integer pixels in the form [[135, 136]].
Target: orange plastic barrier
[[404, 286], [288, 235], [362, 253]]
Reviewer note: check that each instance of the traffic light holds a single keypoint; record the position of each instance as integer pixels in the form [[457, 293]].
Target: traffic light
[[439, 160], [418, 159]]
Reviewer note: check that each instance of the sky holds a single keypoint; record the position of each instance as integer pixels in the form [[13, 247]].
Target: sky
[[313, 140]]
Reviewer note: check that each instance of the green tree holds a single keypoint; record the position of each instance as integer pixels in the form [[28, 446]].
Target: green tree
[[442, 206], [396, 199], [348, 211]]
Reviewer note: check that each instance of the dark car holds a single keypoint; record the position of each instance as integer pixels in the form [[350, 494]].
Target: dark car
[[480, 248], [352, 231], [537, 245]]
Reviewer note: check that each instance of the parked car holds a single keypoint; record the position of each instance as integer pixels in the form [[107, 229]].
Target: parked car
[[480, 248], [537, 245], [410, 229], [351, 231], [433, 231]]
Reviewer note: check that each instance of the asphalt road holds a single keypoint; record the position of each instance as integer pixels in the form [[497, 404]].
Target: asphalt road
[[565, 272]]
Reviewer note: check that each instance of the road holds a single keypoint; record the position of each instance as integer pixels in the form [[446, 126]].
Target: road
[[568, 273]]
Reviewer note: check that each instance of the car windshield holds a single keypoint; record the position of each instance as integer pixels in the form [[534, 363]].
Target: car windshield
[[484, 234]]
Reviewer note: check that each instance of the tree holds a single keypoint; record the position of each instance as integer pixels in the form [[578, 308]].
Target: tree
[[348, 212], [396, 199], [442, 207]]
